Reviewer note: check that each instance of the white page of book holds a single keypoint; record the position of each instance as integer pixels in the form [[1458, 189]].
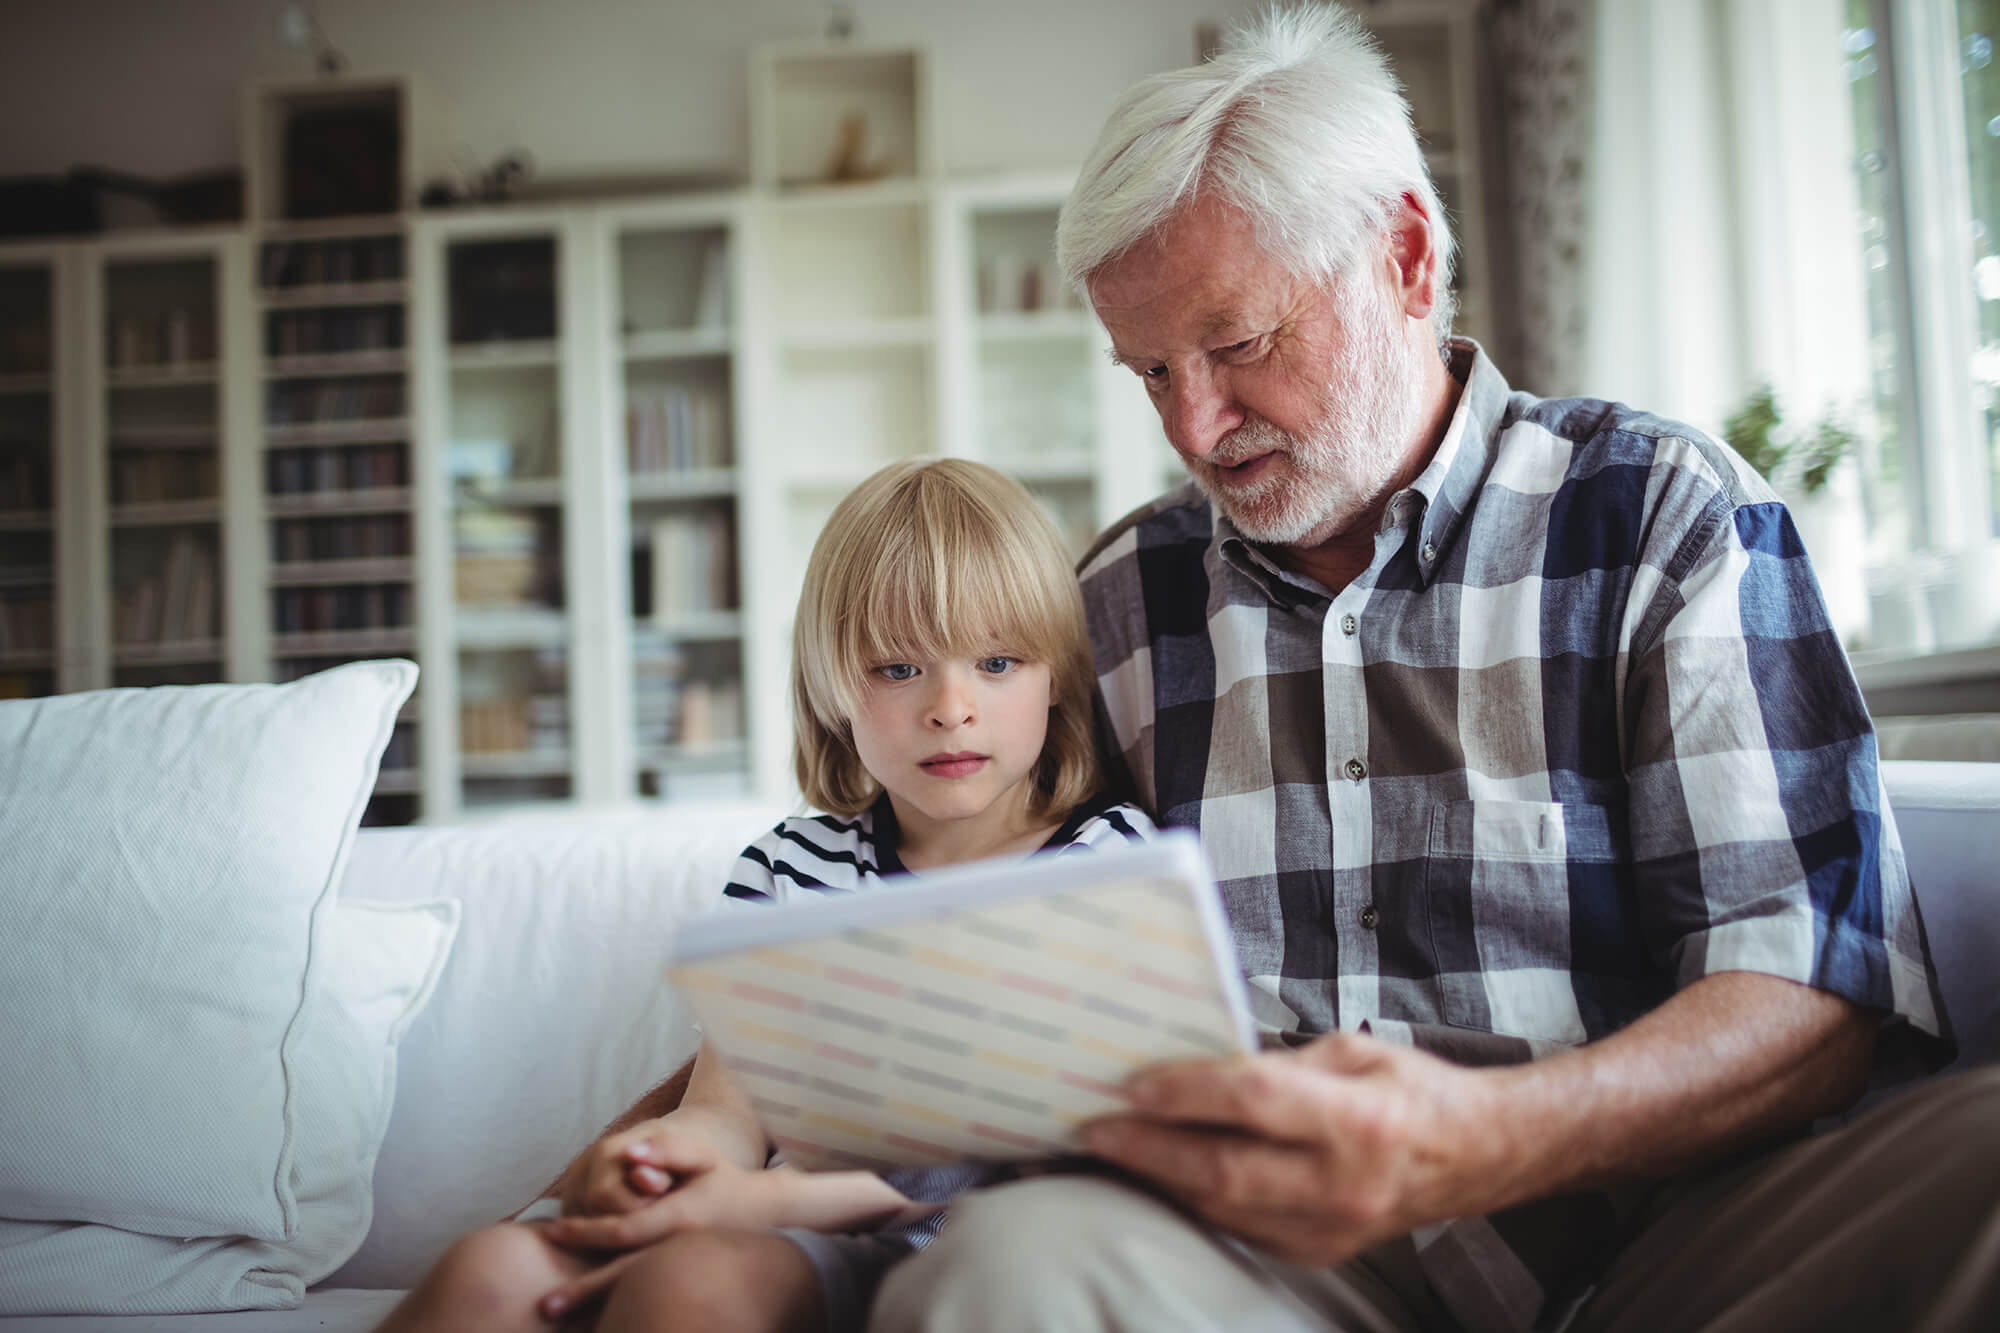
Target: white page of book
[[981, 1013]]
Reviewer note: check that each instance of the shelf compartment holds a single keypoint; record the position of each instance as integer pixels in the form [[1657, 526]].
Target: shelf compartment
[[354, 643], [714, 483], [693, 626], [676, 344], [167, 514], [311, 573], [476, 764], [168, 376], [842, 266], [13, 385], [501, 629], [862, 406], [504, 355], [169, 652], [307, 504], [1066, 326], [329, 365], [331, 295], [27, 520], [359, 430]]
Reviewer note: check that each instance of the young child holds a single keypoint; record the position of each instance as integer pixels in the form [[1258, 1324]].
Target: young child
[[941, 686]]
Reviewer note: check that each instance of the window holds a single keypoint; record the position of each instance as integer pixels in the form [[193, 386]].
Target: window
[[1925, 82]]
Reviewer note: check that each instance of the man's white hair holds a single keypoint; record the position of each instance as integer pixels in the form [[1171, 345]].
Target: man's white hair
[[1298, 122]]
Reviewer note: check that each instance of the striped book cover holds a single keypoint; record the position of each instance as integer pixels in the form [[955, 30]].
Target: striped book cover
[[980, 1013]]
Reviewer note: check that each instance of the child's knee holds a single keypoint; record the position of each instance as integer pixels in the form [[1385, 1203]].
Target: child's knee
[[497, 1272], [716, 1279]]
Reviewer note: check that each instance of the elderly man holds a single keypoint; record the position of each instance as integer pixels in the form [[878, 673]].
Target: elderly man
[[1542, 799]]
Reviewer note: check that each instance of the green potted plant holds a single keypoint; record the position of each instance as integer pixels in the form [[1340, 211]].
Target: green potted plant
[[1755, 430]]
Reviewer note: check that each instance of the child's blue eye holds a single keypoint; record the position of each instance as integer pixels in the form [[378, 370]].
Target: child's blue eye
[[998, 666], [896, 671]]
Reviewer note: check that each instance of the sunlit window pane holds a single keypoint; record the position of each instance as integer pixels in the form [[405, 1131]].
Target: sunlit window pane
[[1979, 80], [1882, 461]]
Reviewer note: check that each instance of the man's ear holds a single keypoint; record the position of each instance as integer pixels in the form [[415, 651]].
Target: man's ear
[[1413, 255]]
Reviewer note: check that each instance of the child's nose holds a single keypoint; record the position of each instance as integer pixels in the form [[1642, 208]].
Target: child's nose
[[951, 705]]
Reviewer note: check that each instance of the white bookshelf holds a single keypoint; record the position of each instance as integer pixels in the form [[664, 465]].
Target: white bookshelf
[[779, 343], [36, 289], [673, 282], [162, 467], [1029, 387], [513, 507], [1435, 47], [336, 502]]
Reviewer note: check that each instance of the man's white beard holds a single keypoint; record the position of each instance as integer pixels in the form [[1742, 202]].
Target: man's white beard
[[1339, 471]]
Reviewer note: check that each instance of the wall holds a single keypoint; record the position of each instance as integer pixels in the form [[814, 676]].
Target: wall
[[587, 86]]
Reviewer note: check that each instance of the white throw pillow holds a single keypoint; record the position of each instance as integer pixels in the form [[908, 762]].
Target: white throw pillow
[[382, 962], [165, 857]]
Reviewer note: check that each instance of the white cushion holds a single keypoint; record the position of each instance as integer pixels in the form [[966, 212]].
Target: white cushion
[[381, 965], [166, 857], [553, 1016]]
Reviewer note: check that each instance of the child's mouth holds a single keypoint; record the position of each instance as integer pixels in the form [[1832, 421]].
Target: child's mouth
[[960, 765]]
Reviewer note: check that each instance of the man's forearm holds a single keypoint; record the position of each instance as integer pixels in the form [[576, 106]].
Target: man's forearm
[[1734, 1059]]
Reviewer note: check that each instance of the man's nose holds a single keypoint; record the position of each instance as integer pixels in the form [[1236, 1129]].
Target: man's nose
[[1198, 412]]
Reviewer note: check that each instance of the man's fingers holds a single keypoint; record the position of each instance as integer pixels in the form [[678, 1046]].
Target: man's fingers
[[1271, 1096], [1229, 1169], [585, 1288]]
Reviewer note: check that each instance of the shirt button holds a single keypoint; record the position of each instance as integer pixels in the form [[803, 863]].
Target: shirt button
[[1430, 552], [1356, 769], [1369, 916], [1348, 624]]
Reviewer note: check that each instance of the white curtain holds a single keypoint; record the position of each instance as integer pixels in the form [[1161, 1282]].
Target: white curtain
[[1723, 248]]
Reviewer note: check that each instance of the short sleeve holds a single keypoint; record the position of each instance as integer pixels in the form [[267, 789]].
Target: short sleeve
[[1761, 838]]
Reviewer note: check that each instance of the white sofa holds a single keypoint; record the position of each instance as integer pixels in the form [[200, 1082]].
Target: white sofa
[[551, 1016]]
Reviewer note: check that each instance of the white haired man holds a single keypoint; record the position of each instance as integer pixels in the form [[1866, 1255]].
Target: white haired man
[[1544, 805]]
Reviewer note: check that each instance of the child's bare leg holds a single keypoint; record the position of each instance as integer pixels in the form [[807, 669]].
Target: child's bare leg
[[717, 1280], [489, 1279]]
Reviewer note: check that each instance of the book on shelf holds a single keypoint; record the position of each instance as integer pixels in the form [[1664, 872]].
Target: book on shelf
[[675, 430], [343, 607], [361, 398], [711, 304], [329, 469], [176, 604], [24, 481], [497, 557], [27, 624], [694, 565], [337, 261], [341, 329], [373, 537], [163, 475]]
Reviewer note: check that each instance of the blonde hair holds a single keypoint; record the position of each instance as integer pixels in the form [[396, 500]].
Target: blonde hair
[[933, 559]]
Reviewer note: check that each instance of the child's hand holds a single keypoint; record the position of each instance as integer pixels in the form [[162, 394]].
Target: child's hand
[[713, 1192], [626, 1171]]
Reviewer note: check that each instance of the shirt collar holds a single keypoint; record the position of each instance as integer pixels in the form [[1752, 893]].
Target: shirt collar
[[1435, 504]]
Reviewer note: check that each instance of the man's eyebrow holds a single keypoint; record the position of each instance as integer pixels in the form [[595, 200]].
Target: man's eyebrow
[[1225, 319], [1118, 358]]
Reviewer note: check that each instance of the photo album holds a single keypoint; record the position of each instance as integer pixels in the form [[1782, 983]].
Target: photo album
[[980, 1013]]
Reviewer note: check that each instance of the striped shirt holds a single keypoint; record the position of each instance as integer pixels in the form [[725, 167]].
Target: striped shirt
[[808, 855], [1580, 735]]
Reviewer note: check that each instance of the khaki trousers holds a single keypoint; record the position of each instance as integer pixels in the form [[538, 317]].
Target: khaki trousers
[[1890, 1223]]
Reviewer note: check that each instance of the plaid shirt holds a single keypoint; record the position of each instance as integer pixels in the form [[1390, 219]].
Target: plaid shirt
[[1579, 736]]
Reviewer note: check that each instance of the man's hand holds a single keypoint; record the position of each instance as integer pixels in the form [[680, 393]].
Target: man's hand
[[1319, 1153], [1313, 1155]]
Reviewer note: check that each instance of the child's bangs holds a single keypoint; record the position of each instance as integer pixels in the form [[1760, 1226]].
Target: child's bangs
[[956, 583]]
